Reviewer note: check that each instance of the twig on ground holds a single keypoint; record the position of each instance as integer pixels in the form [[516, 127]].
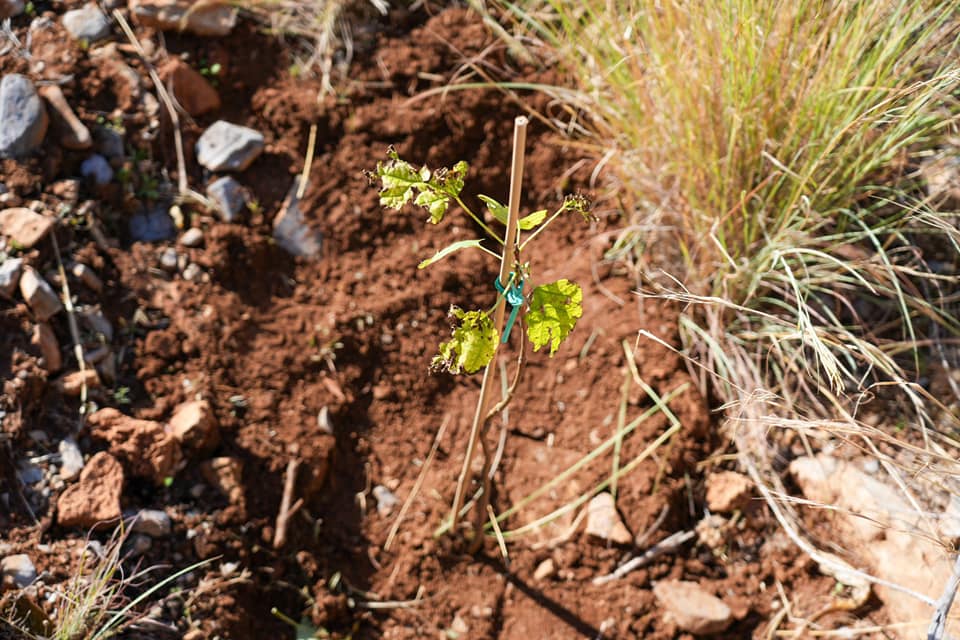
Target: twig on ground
[[496, 530], [287, 510], [417, 484], [307, 161], [652, 529], [938, 625], [183, 188], [74, 329], [666, 545]]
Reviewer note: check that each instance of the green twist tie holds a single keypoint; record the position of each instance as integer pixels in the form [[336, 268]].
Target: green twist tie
[[514, 297]]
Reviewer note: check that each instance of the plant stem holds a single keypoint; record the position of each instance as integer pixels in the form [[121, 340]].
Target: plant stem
[[506, 263], [493, 234], [543, 226]]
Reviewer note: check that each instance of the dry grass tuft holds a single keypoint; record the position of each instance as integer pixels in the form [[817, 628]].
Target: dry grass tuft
[[320, 31], [768, 152]]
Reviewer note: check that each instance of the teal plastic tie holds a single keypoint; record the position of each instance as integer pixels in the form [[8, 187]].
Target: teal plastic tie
[[514, 297]]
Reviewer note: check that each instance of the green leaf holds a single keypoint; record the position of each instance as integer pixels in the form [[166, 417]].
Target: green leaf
[[473, 344], [436, 202], [534, 219], [496, 209], [432, 190], [398, 179], [554, 311], [452, 181], [447, 250], [500, 212]]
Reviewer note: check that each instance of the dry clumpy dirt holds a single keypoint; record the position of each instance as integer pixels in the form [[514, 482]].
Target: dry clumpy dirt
[[269, 343]]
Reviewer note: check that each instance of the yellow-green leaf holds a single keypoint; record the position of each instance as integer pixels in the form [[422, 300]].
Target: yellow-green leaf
[[496, 209], [529, 222], [472, 346], [554, 311]]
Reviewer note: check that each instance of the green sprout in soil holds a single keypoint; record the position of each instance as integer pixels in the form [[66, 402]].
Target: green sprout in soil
[[548, 311]]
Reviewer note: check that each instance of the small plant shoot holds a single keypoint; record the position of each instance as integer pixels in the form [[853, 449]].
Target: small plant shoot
[[547, 312], [551, 309]]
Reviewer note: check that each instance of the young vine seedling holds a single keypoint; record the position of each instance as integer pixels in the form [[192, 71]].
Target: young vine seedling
[[552, 309], [548, 312]]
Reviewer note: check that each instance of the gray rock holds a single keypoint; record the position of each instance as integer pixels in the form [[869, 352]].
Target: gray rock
[[11, 8], [291, 231], [192, 237], [386, 500], [152, 522], [88, 23], [228, 147], [20, 568], [109, 142], [29, 473], [71, 459], [229, 197], [23, 118], [152, 225], [97, 168], [38, 293], [94, 320], [139, 544], [692, 608], [10, 276]]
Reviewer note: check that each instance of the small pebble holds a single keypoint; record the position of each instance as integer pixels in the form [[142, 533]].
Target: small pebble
[[20, 569], [43, 300], [97, 169], [192, 237], [71, 459], [192, 272], [228, 196], [152, 522], [10, 270], [139, 544], [87, 276], [87, 23], [545, 570], [386, 500], [168, 259]]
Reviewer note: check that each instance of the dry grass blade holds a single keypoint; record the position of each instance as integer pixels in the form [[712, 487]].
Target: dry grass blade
[[417, 484]]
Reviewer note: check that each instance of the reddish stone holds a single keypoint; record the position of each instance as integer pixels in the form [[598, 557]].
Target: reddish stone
[[190, 89], [95, 499]]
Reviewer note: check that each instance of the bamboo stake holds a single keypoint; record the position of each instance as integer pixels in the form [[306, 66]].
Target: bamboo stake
[[506, 264]]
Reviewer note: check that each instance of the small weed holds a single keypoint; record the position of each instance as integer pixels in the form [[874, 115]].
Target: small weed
[[211, 72], [121, 395]]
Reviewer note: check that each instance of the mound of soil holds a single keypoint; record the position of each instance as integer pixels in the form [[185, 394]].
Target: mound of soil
[[325, 362]]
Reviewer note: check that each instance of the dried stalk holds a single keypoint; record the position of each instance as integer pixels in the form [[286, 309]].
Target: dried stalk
[[287, 510]]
